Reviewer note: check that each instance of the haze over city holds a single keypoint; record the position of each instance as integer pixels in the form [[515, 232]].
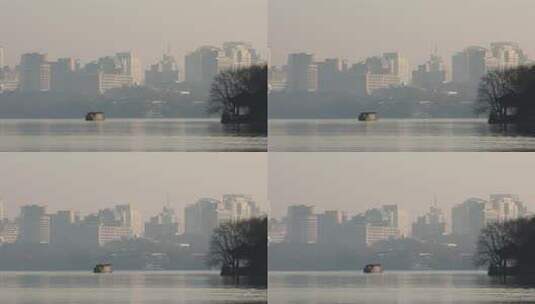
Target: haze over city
[[357, 29], [355, 182], [88, 182], [88, 30]]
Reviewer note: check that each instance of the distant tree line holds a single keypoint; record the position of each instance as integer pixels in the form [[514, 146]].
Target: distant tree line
[[402, 254], [131, 254], [508, 95], [404, 102], [128, 102], [508, 248]]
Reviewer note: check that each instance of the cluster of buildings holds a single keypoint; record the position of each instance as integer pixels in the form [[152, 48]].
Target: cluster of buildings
[[468, 218], [35, 225], [304, 226], [203, 64], [37, 73], [303, 73]]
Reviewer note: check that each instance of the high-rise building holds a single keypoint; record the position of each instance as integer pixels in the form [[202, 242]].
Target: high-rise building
[[469, 65], [372, 234], [61, 226], [162, 74], [506, 207], [379, 72], [277, 78], [241, 54], [34, 225], [202, 217], [106, 73], [329, 74], [330, 225], [302, 225], [398, 66], [430, 226], [203, 64], [473, 215], [508, 54], [61, 74], [276, 230], [397, 218], [162, 226], [240, 206], [9, 79], [2, 58], [9, 232], [302, 73], [131, 218], [34, 73], [468, 218], [3, 216], [430, 75], [131, 65]]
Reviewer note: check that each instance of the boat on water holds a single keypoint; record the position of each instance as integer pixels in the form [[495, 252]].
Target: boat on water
[[95, 116], [373, 268], [102, 268], [368, 116]]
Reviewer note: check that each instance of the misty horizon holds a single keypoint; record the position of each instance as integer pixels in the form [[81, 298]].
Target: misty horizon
[[87, 182], [104, 27], [333, 181], [414, 28]]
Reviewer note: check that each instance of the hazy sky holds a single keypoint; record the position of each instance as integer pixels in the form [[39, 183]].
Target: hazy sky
[[91, 181], [355, 29], [355, 182], [89, 29]]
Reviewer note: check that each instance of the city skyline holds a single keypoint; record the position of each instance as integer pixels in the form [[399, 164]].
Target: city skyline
[[414, 179], [135, 25], [361, 28], [178, 178]]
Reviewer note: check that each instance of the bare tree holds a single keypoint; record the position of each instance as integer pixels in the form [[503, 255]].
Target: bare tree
[[227, 247], [500, 90], [493, 91], [240, 247], [495, 247], [234, 90]]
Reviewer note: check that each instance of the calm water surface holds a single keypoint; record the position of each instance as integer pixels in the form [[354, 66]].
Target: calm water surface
[[124, 287], [126, 135], [394, 287], [386, 135]]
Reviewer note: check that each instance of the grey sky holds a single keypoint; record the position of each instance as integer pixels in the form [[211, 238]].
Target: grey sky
[[88, 29], [90, 181], [355, 29], [355, 182]]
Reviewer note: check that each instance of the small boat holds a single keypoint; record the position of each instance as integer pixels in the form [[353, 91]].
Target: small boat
[[102, 268], [373, 268], [368, 116], [95, 116]]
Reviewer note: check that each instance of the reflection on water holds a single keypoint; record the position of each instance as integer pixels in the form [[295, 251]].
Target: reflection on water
[[395, 287], [125, 287], [127, 135], [395, 135]]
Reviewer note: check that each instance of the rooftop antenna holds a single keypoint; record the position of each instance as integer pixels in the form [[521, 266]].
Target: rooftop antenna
[[167, 204]]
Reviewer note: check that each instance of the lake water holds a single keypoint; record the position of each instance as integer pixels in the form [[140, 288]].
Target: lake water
[[126, 135], [124, 288], [394, 287], [390, 135]]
